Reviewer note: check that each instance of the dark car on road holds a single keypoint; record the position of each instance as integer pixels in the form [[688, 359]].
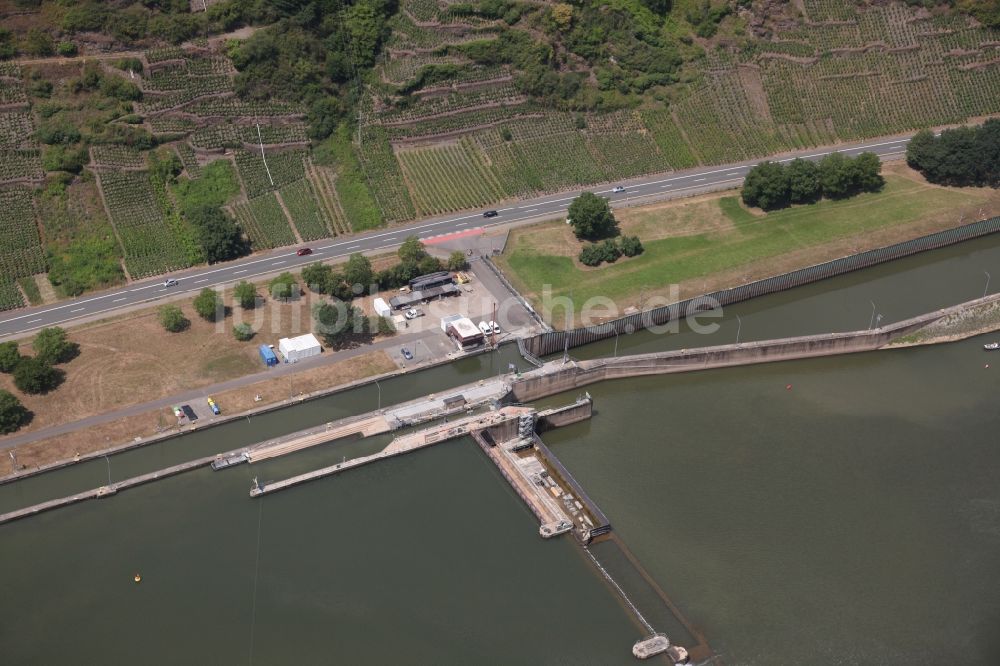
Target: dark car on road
[[303, 251], [406, 354], [490, 213]]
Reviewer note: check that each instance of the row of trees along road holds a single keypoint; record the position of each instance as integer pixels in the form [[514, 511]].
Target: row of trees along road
[[772, 185], [960, 156]]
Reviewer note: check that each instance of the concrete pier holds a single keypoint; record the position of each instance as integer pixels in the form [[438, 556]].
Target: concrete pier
[[105, 491], [400, 445]]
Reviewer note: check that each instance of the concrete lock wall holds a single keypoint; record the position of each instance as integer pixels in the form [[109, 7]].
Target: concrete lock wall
[[561, 416], [553, 379]]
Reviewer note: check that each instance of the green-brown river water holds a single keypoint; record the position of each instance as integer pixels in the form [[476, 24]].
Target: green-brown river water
[[854, 519]]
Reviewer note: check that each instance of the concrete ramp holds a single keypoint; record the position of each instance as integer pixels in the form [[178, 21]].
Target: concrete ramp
[[366, 427]]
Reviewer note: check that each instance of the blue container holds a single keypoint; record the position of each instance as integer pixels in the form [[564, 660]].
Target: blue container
[[267, 354]]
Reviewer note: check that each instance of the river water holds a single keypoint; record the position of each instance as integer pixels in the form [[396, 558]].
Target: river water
[[851, 519]]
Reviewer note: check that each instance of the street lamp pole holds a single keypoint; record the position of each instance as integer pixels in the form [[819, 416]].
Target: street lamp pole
[[108, 460], [987, 287], [739, 327], [871, 321], [616, 343], [379, 387]]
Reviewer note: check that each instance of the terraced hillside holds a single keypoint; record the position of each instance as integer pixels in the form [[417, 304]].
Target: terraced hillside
[[429, 108], [767, 82]]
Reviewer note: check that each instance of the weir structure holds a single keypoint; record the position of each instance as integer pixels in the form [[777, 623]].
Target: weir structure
[[508, 436]]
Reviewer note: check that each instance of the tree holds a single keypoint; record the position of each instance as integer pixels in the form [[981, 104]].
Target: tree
[[33, 375], [456, 261], [609, 250], [10, 356], [960, 157], [243, 332], [218, 234], [283, 287], [766, 186], [12, 413], [591, 217], [411, 251], [317, 277], [358, 271], [246, 295], [339, 322], [631, 246], [562, 15], [591, 255], [384, 326], [803, 181], [172, 319], [52, 346], [429, 264], [867, 178], [208, 304], [836, 176]]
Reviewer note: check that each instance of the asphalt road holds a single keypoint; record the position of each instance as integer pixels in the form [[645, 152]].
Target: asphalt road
[[650, 188]]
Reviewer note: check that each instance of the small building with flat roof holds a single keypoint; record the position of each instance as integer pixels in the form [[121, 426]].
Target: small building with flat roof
[[300, 347], [461, 329]]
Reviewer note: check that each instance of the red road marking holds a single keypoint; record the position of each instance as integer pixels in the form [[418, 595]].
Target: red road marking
[[457, 234]]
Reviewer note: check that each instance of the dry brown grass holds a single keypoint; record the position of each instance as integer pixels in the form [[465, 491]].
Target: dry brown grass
[[131, 359], [272, 391]]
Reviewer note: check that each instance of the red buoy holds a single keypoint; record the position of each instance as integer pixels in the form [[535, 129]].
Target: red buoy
[[788, 387]]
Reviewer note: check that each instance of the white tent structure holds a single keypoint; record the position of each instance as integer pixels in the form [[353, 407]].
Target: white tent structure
[[298, 348]]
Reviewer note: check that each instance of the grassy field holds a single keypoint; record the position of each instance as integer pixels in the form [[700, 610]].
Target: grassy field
[[712, 242]]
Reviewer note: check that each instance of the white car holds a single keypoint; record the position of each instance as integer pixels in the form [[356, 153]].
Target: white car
[[412, 314], [617, 188], [496, 327], [170, 283], [485, 328]]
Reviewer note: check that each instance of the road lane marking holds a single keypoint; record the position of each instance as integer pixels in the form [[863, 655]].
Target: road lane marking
[[200, 281], [648, 184], [278, 263], [530, 209], [698, 180], [118, 300], [34, 320], [77, 310], [238, 272], [733, 173]]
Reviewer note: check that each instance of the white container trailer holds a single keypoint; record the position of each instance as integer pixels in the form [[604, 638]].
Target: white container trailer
[[382, 308]]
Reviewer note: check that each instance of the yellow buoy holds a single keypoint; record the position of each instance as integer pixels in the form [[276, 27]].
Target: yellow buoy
[[137, 578]]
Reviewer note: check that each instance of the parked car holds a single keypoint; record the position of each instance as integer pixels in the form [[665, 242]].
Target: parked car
[[462, 278], [406, 354], [170, 283], [303, 251], [485, 328], [490, 213], [413, 313], [617, 188], [496, 327]]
